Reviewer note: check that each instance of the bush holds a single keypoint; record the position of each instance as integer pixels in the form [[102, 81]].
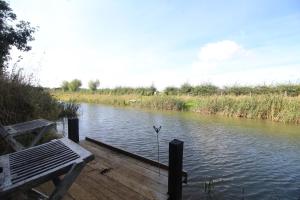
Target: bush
[[186, 88], [21, 101], [205, 89], [93, 85], [171, 90], [65, 86], [74, 85], [68, 109]]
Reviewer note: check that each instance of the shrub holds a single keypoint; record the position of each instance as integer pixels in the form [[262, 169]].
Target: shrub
[[93, 85], [205, 89], [186, 88], [21, 101], [171, 90], [68, 109], [65, 85], [74, 85]]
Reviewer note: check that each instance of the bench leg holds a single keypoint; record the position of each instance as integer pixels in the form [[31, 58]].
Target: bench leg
[[63, 186], [56, 181], [39, 135]]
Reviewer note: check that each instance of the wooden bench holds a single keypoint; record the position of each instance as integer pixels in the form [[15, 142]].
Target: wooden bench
[[38, 127], [31, 167]]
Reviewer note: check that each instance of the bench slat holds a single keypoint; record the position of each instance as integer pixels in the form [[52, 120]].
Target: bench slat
[[33, 166]]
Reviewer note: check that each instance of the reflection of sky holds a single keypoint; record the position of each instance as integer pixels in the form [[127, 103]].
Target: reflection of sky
[[235, 153]]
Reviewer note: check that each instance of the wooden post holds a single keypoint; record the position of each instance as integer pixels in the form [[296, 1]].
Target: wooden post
[[175, 170], [73, 129]]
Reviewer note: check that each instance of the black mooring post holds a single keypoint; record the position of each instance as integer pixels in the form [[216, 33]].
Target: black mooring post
[[175, 170], [73, 129]]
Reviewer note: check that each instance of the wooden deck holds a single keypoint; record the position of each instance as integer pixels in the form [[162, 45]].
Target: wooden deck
[[113, 175]]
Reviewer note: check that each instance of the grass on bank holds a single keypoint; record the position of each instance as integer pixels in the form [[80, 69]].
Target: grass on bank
[[277, 108], [21, 100]]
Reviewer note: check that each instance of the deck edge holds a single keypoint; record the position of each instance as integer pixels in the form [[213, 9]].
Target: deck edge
[[135, 156]]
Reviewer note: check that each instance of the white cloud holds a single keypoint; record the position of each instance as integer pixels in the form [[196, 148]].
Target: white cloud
[[227, 62], [218, 54], [220, 51]]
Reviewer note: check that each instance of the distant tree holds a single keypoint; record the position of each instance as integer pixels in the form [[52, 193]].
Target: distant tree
[[12, 34], [152, 90], [74, 85], [186, 88], [171, 90], [93, 85], [205, 89], [65, 85]]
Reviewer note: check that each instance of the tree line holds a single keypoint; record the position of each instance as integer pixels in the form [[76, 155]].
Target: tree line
[[187, 89], [75, 85], [210, 89]]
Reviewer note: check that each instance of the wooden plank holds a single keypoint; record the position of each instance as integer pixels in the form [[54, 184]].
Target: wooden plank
[[38, 170], [41, 161], [97, 188], [41, 147], [39, 135], [78, 192], [107, 185], [47, 172], [40, 126], [5, 176], [37, 155], [85, 154], [10, 140], [109, 153], [128, 179], [135, 156], [129, 154], [139, 186], [29, 126], [68, 197], [133, 176], [124, 163], [143, 183]]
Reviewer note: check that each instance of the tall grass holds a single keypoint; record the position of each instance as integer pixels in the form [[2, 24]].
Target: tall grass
[[272, 107], [277, 108], [152, 102], [21, 101]]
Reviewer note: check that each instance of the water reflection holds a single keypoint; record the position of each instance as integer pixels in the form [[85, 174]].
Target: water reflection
[[244, 158]]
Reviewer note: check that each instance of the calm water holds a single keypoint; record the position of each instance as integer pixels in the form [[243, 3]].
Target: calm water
[[245, 158]]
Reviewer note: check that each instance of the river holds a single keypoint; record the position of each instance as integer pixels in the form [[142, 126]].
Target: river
[[250, 159]]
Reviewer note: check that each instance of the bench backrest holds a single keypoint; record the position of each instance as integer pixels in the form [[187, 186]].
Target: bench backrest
[[3, 132]]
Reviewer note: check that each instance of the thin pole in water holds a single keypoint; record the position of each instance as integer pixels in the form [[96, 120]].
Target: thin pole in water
[[157, 132]]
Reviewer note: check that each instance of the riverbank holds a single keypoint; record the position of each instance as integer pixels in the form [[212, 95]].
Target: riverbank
[[268, 107]]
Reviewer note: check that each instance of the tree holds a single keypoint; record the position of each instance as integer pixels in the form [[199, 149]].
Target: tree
[[65, 85], [205, 89], [12, 34], [171, 90], [152, 90], [74, 85], [186, 88], [93, 85]]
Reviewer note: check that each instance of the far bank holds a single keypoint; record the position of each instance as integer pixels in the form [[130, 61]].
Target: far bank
[[277, 108]]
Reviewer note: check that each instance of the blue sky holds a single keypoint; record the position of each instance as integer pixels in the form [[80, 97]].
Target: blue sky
[[165, 43]]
